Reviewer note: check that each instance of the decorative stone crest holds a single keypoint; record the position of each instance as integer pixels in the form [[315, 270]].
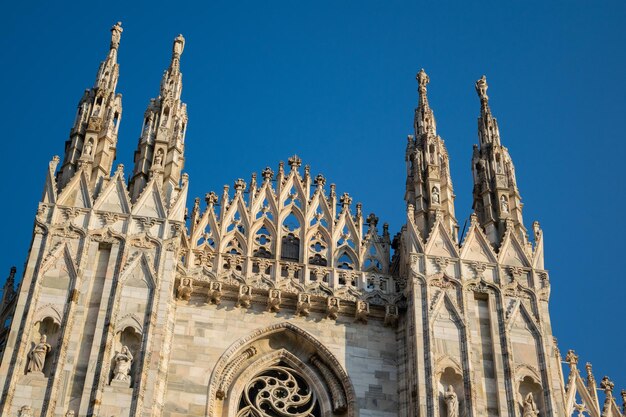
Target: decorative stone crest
[[362, 310], [303, 306], [391, 315], [185, 289], [332, 308], [215, 292], [244, 298], [273, 300]]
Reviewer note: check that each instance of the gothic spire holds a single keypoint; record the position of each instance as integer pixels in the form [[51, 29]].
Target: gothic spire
[[429, 186], [160, 151], [424, 116], [93, 138], [497, 201]]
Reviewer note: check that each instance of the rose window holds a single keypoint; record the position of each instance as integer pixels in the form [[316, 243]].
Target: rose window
[[278, 392]]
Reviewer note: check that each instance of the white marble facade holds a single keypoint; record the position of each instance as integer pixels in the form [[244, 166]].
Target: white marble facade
[[279, 297]]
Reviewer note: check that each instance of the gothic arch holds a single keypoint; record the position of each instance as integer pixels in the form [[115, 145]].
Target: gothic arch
[[48, 311], [283, 343]]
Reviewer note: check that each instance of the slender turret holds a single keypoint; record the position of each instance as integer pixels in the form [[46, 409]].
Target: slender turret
[[496, 198], [162, 142], [93, 137], [429, 186]]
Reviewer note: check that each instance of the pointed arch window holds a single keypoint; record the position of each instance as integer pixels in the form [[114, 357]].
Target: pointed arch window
[[290, 243], [278, 391]]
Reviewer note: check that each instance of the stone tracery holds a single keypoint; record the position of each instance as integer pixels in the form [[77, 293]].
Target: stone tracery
[[278, 392]]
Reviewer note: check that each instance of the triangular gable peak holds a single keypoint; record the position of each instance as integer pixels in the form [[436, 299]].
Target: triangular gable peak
[[177, 208], [440, 243], [114, 198], [61, 251], [414, 240], [236, 215], [76, 193], [444, 302], [150, 202], [319, 210], [345, 223], [293, 192], [207, 224], [476, 246], [512, 252], [139, 260], [264, 203], [538, 249], [50, 187]]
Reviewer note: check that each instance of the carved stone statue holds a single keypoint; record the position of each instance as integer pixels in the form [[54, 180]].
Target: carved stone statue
[[116, 34], [37, 356], [361, 311], [481, 88], [273, 301], [158, 159], [70, 413], [123, 361], [88, 148], [185, 289], [452, 402], [435, 195], [504, 204], [530, 409], [25, 411], [332, 308], [303, 307]]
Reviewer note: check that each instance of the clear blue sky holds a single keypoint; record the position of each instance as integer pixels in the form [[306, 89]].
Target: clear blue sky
[[334, 82]]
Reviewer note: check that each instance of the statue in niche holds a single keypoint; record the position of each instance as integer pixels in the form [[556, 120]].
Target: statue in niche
[[123, 361], [504, 204], [452, 402], [70, 413], [530, 409], [435, 193], [88, 148], [158, 159], [37, 356]]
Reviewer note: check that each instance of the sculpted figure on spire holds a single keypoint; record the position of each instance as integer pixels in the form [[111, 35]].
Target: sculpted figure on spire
[[481, 89], [116, 35]]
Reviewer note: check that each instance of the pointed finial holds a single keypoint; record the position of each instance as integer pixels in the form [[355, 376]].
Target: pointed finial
[[267, 174], [481, 89], [240, 186], [116, 35], [372, 221], [571, 358], [294, 162], [319, 181], [607, 385]]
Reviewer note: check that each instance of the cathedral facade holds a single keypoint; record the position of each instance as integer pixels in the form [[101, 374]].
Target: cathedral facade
[[280, 296]]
